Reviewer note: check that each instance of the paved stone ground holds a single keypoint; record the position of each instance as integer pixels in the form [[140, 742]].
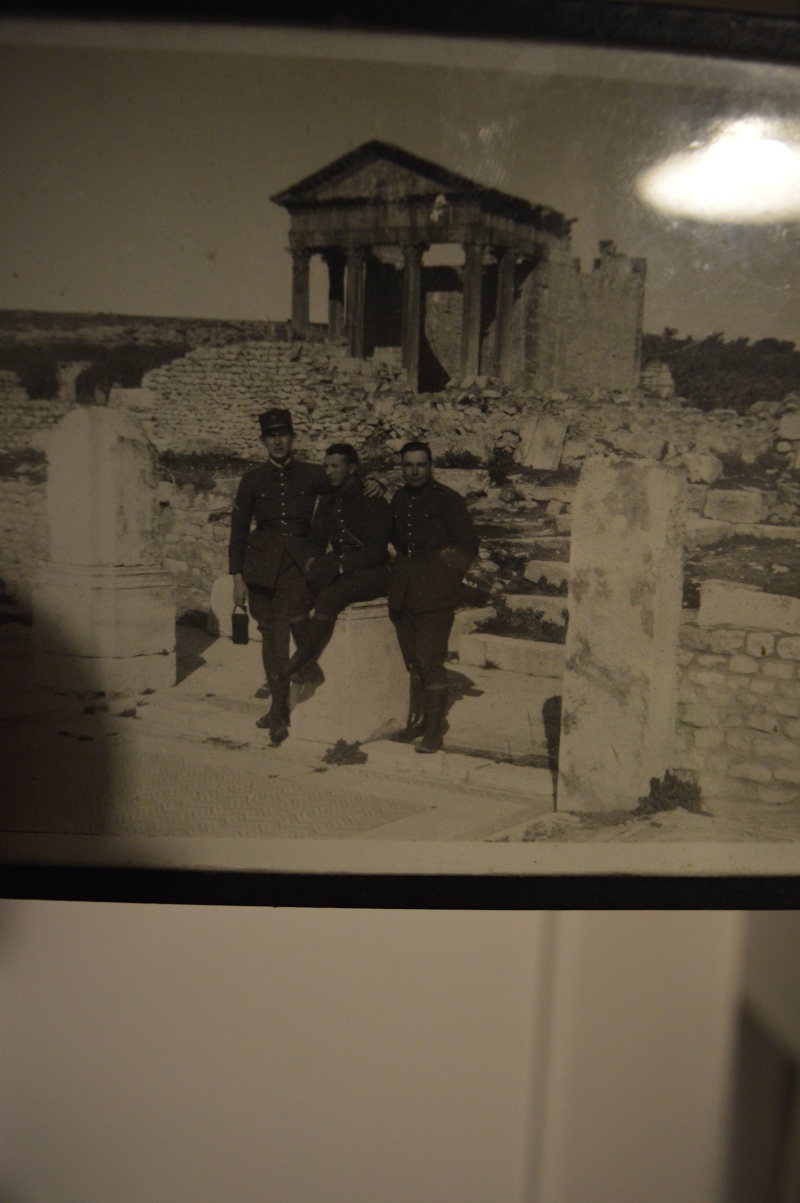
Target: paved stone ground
[[190, 762]]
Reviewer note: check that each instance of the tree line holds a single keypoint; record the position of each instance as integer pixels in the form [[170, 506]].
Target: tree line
[[714, 373]]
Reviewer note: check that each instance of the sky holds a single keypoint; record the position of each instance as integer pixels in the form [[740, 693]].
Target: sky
[[137, 173]]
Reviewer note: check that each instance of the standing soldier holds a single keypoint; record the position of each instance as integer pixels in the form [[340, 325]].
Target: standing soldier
[[435, 540], [267, 562]]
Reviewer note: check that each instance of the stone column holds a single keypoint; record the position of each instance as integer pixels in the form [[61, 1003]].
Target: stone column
[[411, 317], [621, 669], [335, 261], [471, 311], [301, 260], [354, 312], [507, 263], [104, 612]]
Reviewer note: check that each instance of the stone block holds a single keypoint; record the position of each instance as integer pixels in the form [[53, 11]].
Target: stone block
[[102, 490], [736, 505], [725, 603], [788, 649], [702, 469], [466, 620], [554, 572], [620, 678], [777, 795], [762, 722], [789, 427], [784, 707], [541, 442], [792, 729], [514, 655], [743, 664], [355, 702], [740, 741], [103, 611], [760, 644], [751, 772], [790, 775], [708, 738], [776, 747], [220, 608], [469, 482]]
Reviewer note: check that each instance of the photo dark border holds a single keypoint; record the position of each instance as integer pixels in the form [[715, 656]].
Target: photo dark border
[[737, 35]]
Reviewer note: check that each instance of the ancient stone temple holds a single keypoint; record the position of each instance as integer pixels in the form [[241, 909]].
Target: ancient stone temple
[[461, 279]]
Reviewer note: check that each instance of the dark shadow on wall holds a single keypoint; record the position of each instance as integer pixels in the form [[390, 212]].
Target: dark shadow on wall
[[551, 719]]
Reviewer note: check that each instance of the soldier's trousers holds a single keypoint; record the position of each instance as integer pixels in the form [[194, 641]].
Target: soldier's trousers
[[423, 642], [364, 585], [278, 610]]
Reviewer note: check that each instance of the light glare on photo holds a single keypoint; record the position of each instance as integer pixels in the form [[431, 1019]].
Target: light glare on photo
[[748, 171]]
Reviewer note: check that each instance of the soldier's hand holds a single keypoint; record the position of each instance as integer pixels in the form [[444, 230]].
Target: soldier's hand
[[239, 591], [373, 487]]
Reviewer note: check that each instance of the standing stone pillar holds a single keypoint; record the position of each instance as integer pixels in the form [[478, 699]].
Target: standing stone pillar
[[621, 670], [104, 611], [505, 308], [354, 314], [411, 316], [335, 261], [471, 311], [301, 292]]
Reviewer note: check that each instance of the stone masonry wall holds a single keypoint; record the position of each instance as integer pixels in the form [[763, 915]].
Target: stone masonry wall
[[739, 698], [24, 537], [584, 330]]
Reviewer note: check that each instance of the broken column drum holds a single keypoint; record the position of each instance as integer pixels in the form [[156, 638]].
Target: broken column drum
[[104, 611], [621, 667]]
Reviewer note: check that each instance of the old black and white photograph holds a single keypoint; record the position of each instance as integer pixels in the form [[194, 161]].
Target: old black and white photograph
[[400, 454]]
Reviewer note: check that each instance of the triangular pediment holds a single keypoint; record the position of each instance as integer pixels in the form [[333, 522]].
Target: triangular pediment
[[375, 170]]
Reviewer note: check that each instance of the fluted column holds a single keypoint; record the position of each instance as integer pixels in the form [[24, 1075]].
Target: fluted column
[[411, 317], [354, 301], [471, 309], [300, 292]]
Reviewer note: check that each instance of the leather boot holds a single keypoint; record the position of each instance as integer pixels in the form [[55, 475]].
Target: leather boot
[[278, 717], [435, 708], [310, 647], [307, 671], [415, 724]]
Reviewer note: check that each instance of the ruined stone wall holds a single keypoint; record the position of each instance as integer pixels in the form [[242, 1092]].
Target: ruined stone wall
[[442, 328], [739, 696], [24, 538], [21, 418], [584, 331]]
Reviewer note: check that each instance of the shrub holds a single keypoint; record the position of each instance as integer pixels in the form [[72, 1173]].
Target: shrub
[[669, 794], [344, 753]]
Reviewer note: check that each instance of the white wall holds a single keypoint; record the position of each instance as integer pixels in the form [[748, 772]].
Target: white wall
[[200, 1054]]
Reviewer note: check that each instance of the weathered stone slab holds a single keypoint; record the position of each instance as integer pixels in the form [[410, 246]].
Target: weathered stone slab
[[467, 619], [736, 505], [620, 677], [514, 655], [140, 401], [725, 603], [220, 608], [554, 572], [365, 693], [702, 469], [542, 442], [102, 502], [789, 427], [469, 482]]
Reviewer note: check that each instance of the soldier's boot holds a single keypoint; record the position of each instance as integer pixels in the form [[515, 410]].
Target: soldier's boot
[[310, 673], [311, 647], [278, 717], [435, 709], [415, 723]]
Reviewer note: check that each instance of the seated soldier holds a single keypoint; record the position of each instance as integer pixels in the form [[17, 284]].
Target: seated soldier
[[355, 528]]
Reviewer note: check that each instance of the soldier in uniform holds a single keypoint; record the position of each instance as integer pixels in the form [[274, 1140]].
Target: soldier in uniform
[[268, 561], [435, 540], [355, 528]]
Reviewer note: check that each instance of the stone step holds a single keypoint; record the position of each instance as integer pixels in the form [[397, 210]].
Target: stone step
[[552, 609], [555, 572], [513, 655]]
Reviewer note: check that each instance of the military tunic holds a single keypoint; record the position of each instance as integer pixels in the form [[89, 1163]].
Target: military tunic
[[435, 540], [271, 555], [356, 528]]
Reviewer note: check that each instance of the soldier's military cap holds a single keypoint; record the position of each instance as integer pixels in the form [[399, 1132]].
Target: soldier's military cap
[[275, 419]]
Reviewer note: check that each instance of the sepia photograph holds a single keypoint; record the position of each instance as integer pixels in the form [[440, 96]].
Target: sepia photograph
[[399, 454]]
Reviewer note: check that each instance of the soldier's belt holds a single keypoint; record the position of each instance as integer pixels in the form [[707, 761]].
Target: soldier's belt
[[276, 527]]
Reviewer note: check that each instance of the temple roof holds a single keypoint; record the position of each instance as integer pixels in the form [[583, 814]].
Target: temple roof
[[378, 171]]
